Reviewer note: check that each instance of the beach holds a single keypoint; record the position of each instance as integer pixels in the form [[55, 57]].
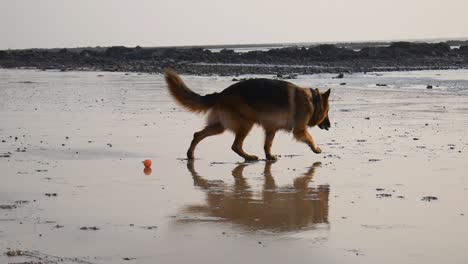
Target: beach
[[390, 186]]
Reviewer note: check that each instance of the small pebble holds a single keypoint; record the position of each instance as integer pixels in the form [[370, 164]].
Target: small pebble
[[429, 198]]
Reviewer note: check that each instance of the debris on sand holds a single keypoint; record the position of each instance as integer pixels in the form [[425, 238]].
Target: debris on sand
[[89, 228], [383, 195], [5, 155], [150, 227], [14, 253], [429, 198], [44, 258], [20, 150], [289, 155], [7, 207], [332, 156], [51, 194]]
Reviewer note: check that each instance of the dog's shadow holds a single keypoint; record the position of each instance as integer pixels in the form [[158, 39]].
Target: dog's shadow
[[274, 208]]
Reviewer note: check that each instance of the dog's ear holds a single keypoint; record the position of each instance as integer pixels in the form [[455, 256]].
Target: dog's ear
[[326, 94]]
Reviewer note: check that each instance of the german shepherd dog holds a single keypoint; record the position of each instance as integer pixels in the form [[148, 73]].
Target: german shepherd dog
[[273, 104]]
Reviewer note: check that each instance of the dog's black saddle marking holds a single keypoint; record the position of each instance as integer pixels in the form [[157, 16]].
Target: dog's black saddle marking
[[261, 92]]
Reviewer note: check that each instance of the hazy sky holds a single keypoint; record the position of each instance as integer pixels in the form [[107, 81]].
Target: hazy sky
[[64, 23]]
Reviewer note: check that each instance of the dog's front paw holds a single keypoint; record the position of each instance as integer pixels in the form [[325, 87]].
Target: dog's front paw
[[317, 150], [251, 158], [271, 157]]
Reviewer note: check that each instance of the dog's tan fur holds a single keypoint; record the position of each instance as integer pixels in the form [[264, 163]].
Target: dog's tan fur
[[274, 105]]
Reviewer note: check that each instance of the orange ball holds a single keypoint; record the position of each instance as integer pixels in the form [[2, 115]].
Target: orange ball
[[147, 163]]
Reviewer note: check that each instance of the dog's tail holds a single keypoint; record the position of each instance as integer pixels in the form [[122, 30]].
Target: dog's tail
[[186, 97]]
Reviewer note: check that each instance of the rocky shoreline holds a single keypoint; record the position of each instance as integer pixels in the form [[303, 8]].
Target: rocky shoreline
[[286, 61]]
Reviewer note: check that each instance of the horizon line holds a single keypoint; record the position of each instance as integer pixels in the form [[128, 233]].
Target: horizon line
[[272, 44]]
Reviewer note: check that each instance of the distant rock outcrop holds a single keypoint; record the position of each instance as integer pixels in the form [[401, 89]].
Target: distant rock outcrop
[[284, 61]]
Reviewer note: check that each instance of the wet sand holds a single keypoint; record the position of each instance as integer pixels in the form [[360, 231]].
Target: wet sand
[[390, 186]]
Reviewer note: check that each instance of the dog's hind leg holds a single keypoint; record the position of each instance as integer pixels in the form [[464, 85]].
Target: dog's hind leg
[[241, 133], [303, 135], [209, 130], [269, 136]]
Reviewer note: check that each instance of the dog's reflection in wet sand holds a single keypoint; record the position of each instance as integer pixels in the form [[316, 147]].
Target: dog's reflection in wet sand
[[273, 208]]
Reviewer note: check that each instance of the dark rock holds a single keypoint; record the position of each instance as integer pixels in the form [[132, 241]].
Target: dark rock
[[339, 76], [383, 195], [7, 207], [5, 155], [429, 198], [89, 228]]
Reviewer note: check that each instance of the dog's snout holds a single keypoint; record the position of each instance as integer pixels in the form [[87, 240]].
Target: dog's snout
[[325, 124]]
